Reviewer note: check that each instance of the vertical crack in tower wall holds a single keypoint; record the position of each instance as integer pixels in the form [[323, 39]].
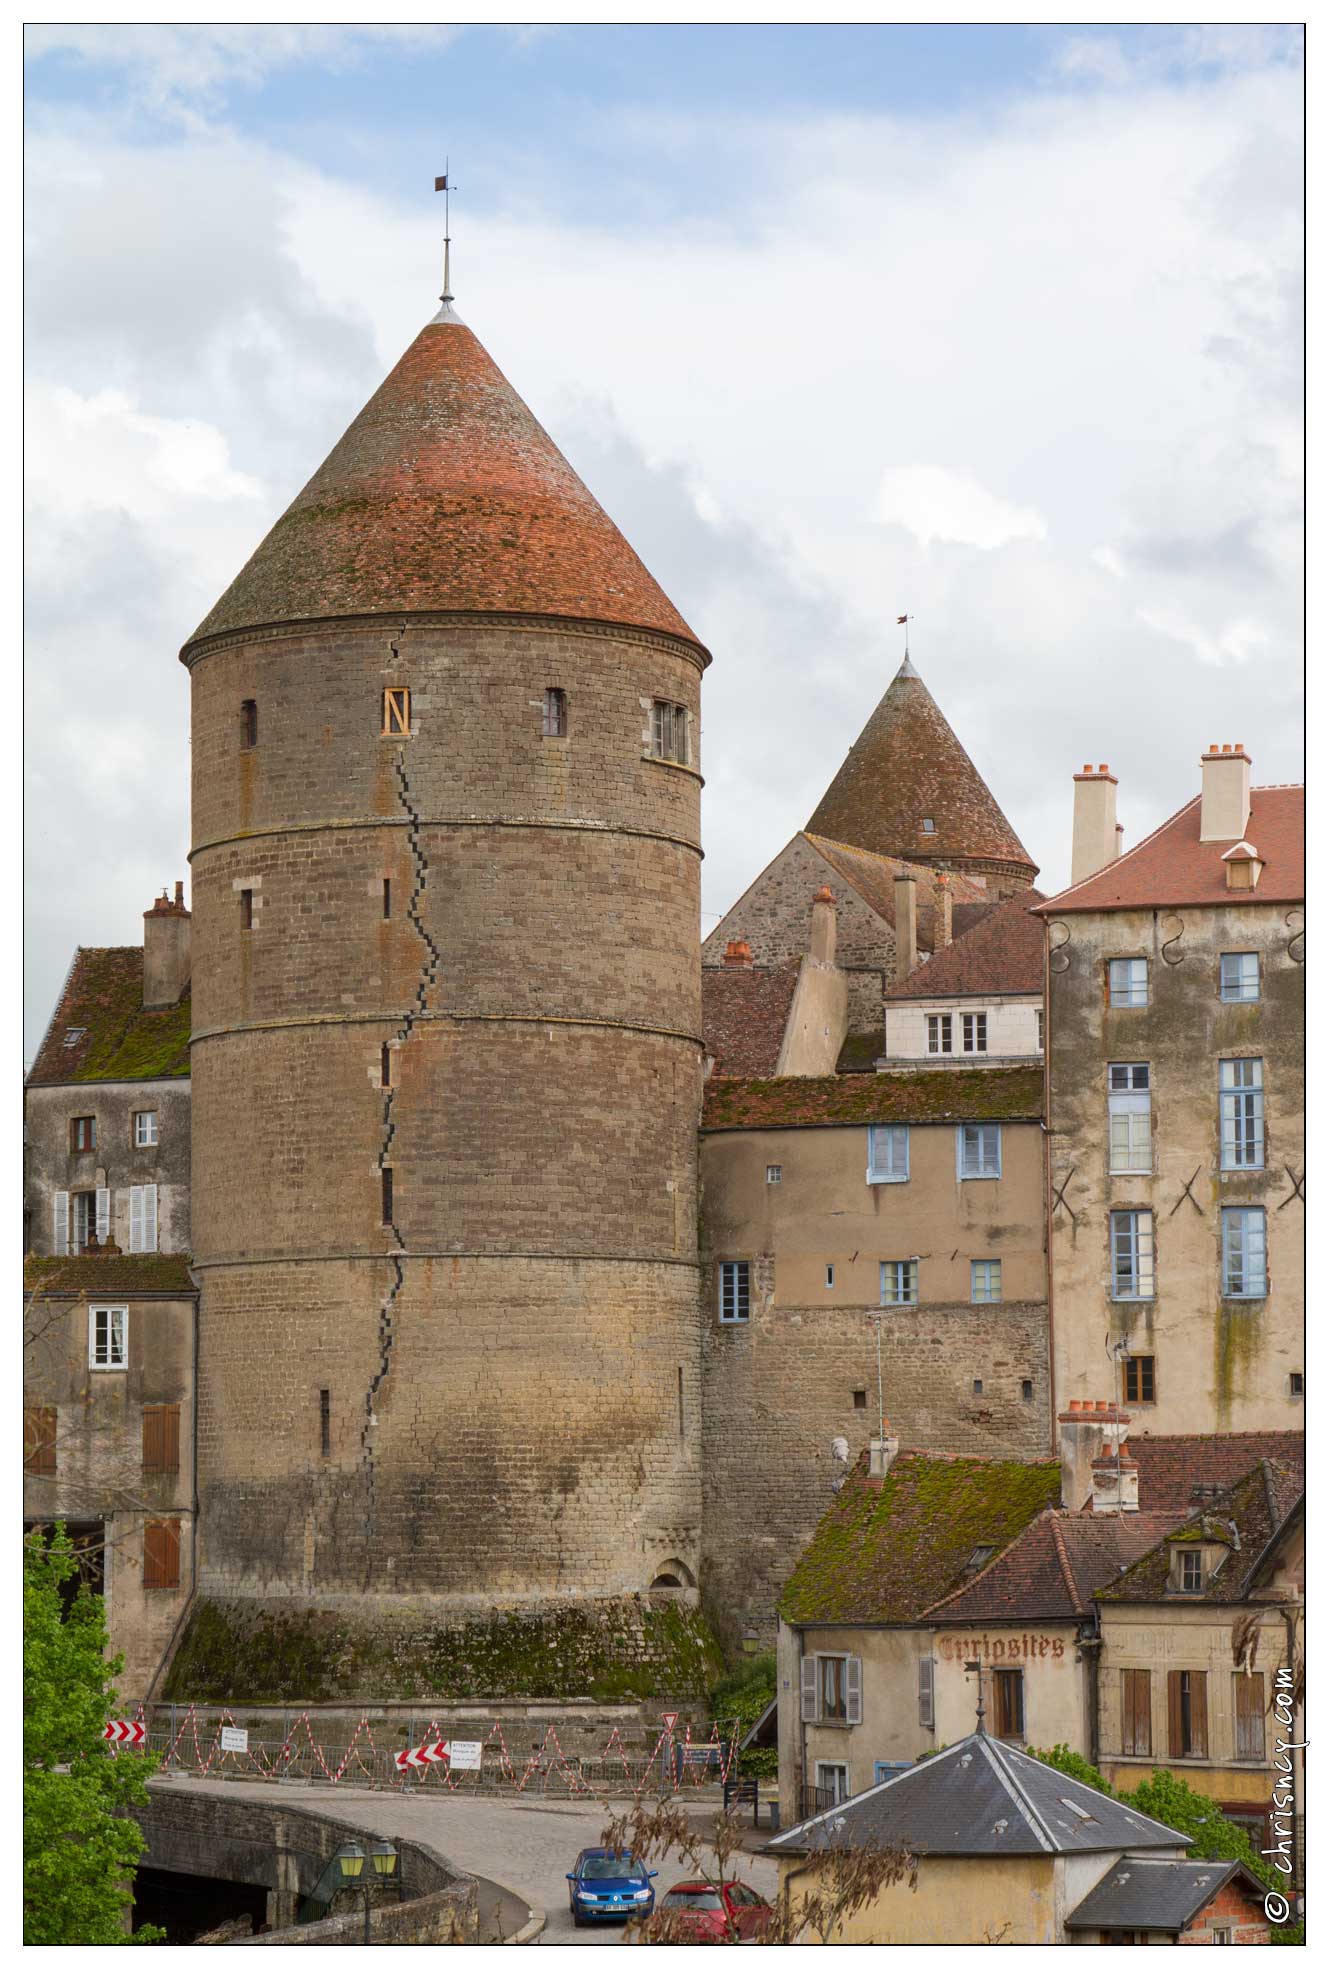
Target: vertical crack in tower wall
[[419, 1006]]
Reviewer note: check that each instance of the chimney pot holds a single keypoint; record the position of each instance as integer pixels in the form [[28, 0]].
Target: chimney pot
[[166, 960], [738, 953], [1102, 769]]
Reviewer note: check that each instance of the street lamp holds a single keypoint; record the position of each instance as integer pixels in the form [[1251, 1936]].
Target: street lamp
[[351, 1860]]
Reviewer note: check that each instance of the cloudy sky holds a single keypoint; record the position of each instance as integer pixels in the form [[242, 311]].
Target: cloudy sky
[[1000, 326]]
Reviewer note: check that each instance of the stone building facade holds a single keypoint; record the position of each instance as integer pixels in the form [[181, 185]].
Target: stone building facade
[[1177, 1131], [446, 1052]]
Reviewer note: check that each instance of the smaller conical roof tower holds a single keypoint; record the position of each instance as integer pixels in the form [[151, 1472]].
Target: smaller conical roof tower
[[909, 789]]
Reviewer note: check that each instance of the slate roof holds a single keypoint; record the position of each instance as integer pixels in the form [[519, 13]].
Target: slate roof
[[905, 766], [103, 995], [890, 1547], [1002, 954], [744, 1012], [1261, 1502], [444, 493], [105, 1274], [1161, 1894], [1172, 1466], [1173, 867], [1052, 1568], [841, 1101], [981, 1798]]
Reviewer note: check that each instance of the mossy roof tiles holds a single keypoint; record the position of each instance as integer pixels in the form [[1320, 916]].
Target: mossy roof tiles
[[120, 1040], [108, 1274], [444, 493], [848, 1100], [907, 766], [1259, 1504], [889, 1547]]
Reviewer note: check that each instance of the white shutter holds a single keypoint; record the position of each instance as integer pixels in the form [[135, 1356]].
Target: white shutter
[[927, 1714], [808, 1688], [103, 1215], [149, 1216], [853, 1689], [136, 1217], [60, 1232]]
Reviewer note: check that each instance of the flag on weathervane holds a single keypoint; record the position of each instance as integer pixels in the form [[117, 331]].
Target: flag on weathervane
[[902, 618], [441, 184]]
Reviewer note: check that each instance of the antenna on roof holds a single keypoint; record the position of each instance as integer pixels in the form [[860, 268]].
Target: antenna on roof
[[977, 1668], [441, 184]]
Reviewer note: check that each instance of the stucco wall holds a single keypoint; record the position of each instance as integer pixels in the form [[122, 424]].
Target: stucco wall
[[114, 1163], [1219, 1364], [1012, 1030], [977, 1900]]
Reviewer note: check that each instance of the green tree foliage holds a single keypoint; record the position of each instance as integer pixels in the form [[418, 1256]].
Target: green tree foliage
[[78, 1858], [739, 1697]]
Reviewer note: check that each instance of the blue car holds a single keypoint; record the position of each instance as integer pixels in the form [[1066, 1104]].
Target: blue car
[[605, 1886]]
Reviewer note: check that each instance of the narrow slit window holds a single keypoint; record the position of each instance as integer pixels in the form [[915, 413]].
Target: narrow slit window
[[555, 724], [386, 1187], [387, 897], [248, 724], [385, 1067], [830, 1275], [246, 909], [325, 1420], [396, 711]]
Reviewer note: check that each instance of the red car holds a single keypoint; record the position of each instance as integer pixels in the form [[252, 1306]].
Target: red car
[[695, 1912]]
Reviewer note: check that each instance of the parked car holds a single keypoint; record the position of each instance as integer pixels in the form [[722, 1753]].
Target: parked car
[[605, 1886], [694, 1911]]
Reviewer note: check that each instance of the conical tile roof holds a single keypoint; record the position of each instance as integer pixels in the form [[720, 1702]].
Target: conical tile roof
[[445, 493], [907, 767]]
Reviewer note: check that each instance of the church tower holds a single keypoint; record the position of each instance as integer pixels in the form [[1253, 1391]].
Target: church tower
[[446, 1059]]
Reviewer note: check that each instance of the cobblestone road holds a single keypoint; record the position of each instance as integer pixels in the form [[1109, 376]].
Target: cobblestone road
[[525, 1845]]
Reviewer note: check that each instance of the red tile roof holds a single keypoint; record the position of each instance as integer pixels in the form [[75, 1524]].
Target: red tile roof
[[1244, 1521], [1172, 1466], [850, 1100], [1172, 866], [103, 1002], [907, 766], [1002, 954], [744, 1012], [872, 877], [1051, 1570], [445, 493]]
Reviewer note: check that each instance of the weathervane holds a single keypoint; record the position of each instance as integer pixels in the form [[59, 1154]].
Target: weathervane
[[441, 184], [977, 1668], [904, 621]]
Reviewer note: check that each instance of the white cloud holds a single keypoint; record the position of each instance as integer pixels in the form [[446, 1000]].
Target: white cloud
[[101, 451], [1232, 643], [935, 504]]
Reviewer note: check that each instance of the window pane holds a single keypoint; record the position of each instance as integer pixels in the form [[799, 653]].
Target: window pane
[[985, 1280], [1239, 974], [1128, 981], [1243, 1254], [888, 1155]]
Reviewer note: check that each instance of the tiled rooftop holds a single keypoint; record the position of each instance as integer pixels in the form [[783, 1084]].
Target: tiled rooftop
[[1002, 954], [1173, 866], [100, 1030], [1258, 1505], [107, 1273], [1052, 1568], [744, 1010], [842, 1101], [445, 493]]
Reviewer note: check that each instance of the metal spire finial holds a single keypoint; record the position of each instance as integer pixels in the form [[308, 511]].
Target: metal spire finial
[[977, 1668], [906, 668], [446, 311]]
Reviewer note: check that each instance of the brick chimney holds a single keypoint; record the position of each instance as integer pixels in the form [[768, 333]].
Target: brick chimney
[[1086, 1431], [821, 942], [906, 925], [165, 950], [941, 935], [1116, 1485], [1225, 792], [738, 954], [1095, 837]]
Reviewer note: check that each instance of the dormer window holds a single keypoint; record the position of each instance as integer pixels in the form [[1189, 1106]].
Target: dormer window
[[929, 826], [1190, 1572], [73, 1034], [979, 1557], [1243, 866]]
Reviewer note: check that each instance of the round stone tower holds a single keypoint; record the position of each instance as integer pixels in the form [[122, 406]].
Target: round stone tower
[[446, 1058]]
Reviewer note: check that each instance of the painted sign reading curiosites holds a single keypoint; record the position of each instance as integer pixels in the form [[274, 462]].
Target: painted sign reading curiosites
[[1001, 1647]]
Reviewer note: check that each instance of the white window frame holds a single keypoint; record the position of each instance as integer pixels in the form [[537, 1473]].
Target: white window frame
[[110, 1338], [734, 1278], [1241, 1114], [774, 1172], [1238, 969], [671, 738], [1244, 1246], [846, 1670], [985, 1132], [1128, 983], [1131, 1236], [60, 1220], [991, 1270], [145, 1128], [835, 1779], [940, 1033], [888, 1154], [143, 1217], [1130, 1118], [900, 1275], [1038, 1013], [99, 1212], [973, 1032]]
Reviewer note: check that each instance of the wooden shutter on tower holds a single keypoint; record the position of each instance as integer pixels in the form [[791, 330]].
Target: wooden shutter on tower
[[161, 1552], [161, 1438], [60, 1224], [808, 1688], [853, 1689], [1174, 1736], [1248, 1706], [39, 1426]]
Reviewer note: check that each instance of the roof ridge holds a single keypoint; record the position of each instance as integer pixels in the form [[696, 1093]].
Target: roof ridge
[[55, 1011], [1126, 855], [1063, 1559], [1033, 1817]]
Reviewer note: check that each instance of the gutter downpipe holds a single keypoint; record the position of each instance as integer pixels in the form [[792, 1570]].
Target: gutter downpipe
[[1047, 1179], [187, 1608]]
